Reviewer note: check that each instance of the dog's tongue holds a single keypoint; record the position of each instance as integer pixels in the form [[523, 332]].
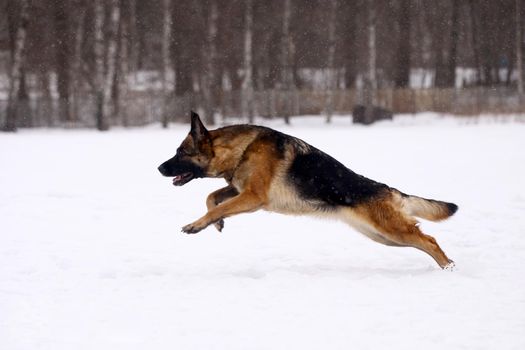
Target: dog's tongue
[[182, 179]]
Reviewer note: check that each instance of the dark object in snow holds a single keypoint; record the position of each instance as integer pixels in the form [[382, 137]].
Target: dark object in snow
[[368, 115]]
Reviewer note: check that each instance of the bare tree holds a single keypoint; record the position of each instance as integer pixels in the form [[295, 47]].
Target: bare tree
[[17, 67], [134, 42], [350, 12], [63, 56], [165, 53], [370, 81], [444, 40], [76, 64], [105, 78], [45, 102], [210, 56], [111, 59], [185, 53], [123, 68], [98, 48], [332, 80], [519, 49], [402, 69], [247, 83], [474, 38], [489, 43], [454, 38], [286, 48], [120, 74]]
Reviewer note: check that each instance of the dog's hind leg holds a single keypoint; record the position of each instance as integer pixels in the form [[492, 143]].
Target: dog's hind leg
[[395, 226], [217, 197], [413, 237], [363, 226]]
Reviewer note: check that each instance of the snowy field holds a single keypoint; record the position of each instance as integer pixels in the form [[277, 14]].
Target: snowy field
[[92, 257]]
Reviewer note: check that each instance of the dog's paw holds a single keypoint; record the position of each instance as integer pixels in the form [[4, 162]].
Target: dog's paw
[[219, 225], [451, 266], [191, 228]]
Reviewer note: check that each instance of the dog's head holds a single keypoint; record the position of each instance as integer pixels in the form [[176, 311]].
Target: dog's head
[[193, 155]]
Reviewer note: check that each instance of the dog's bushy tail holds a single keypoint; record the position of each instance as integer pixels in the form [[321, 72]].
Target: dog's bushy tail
[[428, 209]]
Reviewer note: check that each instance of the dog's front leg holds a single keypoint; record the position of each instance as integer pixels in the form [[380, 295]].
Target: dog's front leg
[[245, 202], [216, 198]]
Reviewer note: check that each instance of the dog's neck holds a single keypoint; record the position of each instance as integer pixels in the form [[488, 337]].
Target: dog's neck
[[229, 151]]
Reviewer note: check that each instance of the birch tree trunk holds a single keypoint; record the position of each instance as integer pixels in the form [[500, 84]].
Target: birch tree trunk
[[165, 53], [332, 80], [112, 62], [519, 49], [211, 60], [119, 78], [247, 83], [123, 66], [17, 67], [104, 80], [286, 78]]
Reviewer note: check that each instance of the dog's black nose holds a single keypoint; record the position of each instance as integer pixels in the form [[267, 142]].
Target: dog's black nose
[[162, 169]]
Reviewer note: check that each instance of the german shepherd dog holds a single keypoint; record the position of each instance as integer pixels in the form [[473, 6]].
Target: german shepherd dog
[[266, 169]]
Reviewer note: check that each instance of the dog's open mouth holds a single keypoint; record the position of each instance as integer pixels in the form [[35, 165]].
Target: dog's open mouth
[[181, 179]]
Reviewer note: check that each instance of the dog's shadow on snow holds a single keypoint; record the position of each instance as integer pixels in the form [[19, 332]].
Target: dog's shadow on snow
[[320, 270]]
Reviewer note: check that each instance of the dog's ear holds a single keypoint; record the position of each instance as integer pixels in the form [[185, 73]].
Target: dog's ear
[[198, 130]]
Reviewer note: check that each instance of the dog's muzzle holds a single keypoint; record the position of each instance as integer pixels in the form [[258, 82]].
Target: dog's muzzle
[[163, 170]]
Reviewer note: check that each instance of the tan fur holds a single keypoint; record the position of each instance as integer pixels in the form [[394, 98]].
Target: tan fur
[[228, 148]]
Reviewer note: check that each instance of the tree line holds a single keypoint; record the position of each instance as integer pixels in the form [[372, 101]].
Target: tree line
[[65, 50]]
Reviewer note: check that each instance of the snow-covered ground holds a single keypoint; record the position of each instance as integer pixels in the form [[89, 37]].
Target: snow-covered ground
[[92, 257]]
